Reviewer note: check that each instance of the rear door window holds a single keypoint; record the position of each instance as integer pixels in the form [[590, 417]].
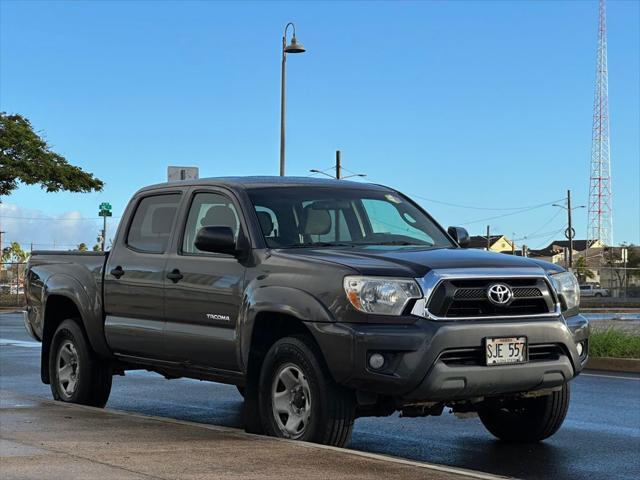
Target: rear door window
[[150, 229]]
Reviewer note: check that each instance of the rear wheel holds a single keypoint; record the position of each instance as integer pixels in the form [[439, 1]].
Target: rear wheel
[[76, 373], [299, 399], [526, 419]]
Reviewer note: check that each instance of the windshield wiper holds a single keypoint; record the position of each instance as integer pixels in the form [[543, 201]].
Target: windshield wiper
[[319, 244], [395, 242]]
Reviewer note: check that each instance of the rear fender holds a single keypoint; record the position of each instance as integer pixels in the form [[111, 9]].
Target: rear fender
[[87, 300]]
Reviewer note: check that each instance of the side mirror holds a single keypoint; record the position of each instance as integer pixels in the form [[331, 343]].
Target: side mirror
[[216, 240], [460, 235]]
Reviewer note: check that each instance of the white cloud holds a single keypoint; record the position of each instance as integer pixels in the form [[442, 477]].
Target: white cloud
[[64, 232]]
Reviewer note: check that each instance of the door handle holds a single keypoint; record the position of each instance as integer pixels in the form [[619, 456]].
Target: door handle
[[175, 276], [117, 272]]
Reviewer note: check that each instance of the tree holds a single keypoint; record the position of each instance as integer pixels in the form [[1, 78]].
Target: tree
[[633, 260], [14, 253], [96, 247], [83, 247], [582, 270], [26, 157]]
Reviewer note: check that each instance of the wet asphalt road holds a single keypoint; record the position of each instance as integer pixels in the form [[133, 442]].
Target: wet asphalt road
[[600, 438]]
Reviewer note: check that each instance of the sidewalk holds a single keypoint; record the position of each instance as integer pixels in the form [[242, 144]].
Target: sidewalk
[[45, 439]]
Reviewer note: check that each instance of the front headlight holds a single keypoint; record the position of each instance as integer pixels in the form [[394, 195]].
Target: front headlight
[[568, 290], [379, 295]]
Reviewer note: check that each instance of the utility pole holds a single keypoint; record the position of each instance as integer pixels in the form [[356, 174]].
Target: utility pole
[[570, 233], [338, 168], [570, 229], [488, 238]]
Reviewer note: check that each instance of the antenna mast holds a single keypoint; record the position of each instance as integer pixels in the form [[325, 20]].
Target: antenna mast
[[600, 226]]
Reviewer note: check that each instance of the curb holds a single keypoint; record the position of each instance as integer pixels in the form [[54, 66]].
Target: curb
[[237, 432], [628, 365]]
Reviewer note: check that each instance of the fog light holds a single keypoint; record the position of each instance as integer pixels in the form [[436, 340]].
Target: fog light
[[579, 347], [376, 361]]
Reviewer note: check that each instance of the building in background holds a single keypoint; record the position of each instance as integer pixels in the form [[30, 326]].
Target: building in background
[[497, 243]]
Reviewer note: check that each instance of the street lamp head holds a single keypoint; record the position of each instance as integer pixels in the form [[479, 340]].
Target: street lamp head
[[294, 46]]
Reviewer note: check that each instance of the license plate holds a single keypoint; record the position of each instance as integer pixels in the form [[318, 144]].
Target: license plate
[[503, 351]]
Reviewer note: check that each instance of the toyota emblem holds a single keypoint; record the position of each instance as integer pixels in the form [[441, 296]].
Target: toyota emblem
[[499, 294]]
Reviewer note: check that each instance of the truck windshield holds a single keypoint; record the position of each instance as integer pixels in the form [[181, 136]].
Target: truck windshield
[[293, 217]]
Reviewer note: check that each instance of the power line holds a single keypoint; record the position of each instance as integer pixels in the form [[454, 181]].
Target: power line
[[471, 207], [528, 209], [53, 219], [532, 234], [550, 237]]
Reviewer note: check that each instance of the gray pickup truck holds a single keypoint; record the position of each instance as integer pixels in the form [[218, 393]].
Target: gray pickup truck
[[322, 301]]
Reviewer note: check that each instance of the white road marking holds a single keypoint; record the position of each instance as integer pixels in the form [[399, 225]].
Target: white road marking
[[9, 342], [618, 377]]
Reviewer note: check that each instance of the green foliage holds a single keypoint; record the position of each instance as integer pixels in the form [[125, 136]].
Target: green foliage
[[14, 253], [96, 248], [83, 247], [614, 343], [582, 272], [26, 157]]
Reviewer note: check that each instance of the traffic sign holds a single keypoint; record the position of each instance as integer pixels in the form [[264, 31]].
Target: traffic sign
[[105, 213], [105, 206]]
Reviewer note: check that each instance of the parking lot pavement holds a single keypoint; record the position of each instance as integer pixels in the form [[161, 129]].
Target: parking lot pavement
[[46, 439], [599, 440]]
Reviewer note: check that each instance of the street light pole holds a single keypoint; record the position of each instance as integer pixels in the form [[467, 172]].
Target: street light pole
[[293, 47]]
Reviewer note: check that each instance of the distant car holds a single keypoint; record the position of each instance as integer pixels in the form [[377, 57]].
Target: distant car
[[593, 291]]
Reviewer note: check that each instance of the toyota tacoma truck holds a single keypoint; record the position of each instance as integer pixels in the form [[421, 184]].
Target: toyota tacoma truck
[[322, 301]]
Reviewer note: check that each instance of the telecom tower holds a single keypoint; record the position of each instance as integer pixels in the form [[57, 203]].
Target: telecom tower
[[600, 225]]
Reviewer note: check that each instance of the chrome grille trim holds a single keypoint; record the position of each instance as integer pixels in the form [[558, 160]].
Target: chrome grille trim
[[430, 282]]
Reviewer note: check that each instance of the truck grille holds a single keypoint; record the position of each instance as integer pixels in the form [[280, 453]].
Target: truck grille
[[474, 356], [468, 298]]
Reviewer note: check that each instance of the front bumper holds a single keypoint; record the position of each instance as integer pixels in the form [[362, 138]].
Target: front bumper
[[416, 369]]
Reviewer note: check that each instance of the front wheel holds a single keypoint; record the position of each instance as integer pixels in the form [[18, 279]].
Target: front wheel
[[299, 399], [522, 420], [76, 373]]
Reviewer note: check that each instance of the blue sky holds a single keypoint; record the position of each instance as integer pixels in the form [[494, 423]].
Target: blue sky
[[481, 104]]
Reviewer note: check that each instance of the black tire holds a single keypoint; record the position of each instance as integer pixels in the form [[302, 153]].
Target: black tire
[[331, 408], [91, 376], [598, 295], [526, 420]]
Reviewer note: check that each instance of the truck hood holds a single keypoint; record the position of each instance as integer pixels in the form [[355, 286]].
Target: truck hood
[[403, 262]]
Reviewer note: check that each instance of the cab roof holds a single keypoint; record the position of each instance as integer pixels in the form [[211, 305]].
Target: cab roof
[[246, 183]]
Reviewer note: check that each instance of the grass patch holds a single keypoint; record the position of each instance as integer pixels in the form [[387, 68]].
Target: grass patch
[[614, 343]]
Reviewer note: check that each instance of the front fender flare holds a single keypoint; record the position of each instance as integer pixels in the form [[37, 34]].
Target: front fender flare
[[289, 301]]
